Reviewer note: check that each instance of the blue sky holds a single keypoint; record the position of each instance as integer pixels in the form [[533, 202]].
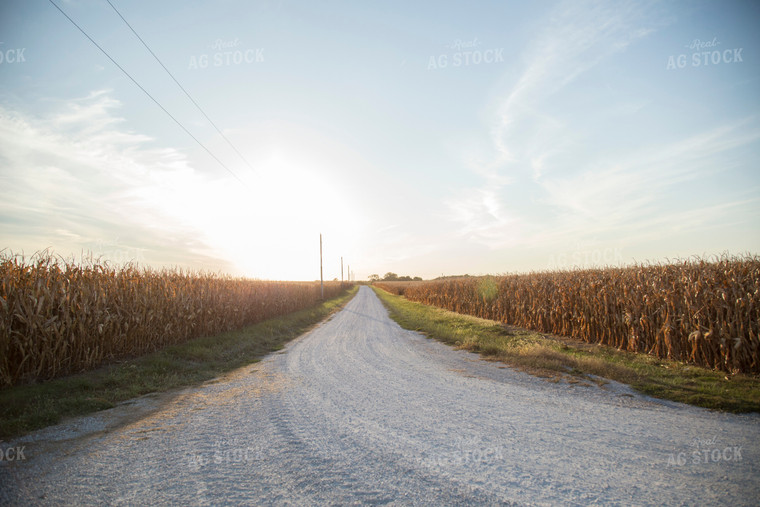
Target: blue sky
[[420, 138]]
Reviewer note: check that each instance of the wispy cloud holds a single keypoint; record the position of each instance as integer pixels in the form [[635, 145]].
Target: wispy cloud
[[624, 194], [76, 179], [576, 38], [546, 186]]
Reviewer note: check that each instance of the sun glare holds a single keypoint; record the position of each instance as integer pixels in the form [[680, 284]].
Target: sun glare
[[268, 228]]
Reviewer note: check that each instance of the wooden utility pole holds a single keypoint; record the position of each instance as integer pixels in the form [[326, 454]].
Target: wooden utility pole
[[321, 279], [341, 271]]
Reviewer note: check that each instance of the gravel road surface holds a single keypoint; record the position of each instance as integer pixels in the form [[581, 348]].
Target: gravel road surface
[[359, 411]]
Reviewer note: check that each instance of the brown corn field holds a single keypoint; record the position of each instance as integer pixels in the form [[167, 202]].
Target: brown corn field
[[701, 312], [57, 317]]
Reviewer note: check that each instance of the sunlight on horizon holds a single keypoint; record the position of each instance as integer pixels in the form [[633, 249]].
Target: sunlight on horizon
[[468, 139]]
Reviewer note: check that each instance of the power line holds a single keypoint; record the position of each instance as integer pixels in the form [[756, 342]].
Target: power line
[[148, 94], [180, 86]]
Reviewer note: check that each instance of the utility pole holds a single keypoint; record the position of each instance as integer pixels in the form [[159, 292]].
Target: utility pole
[[321, 279], [341, 271]]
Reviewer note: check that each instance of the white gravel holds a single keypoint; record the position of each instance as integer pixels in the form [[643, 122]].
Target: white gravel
[[359, 411]]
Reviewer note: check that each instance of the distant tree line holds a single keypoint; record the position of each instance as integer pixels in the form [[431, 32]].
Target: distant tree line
[[393, 277]]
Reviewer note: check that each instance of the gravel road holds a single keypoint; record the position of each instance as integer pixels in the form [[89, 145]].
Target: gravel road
[[359, 411]]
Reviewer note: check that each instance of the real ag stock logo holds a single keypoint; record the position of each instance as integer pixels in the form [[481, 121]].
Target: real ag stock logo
[[12, 453], [226, 53], [705, 451], [583, 255], [465, 53], [466, 452], [115, 252], [225, 452], [13, 55], [710, 56]]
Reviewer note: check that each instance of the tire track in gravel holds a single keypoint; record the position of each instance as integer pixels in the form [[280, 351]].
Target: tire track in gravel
[[360, 411]]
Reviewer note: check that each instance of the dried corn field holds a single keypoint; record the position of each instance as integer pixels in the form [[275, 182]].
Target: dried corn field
[[700, 312], [58, 317]]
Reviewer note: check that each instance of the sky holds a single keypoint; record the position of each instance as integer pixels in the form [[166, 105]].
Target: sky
[[421, 138]]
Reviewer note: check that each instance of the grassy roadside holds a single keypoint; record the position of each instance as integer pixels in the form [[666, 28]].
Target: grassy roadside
[[25, 408], [557, 358]]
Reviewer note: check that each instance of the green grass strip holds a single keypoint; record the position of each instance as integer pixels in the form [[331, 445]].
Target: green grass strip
[[25, 408], [565, 359]]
